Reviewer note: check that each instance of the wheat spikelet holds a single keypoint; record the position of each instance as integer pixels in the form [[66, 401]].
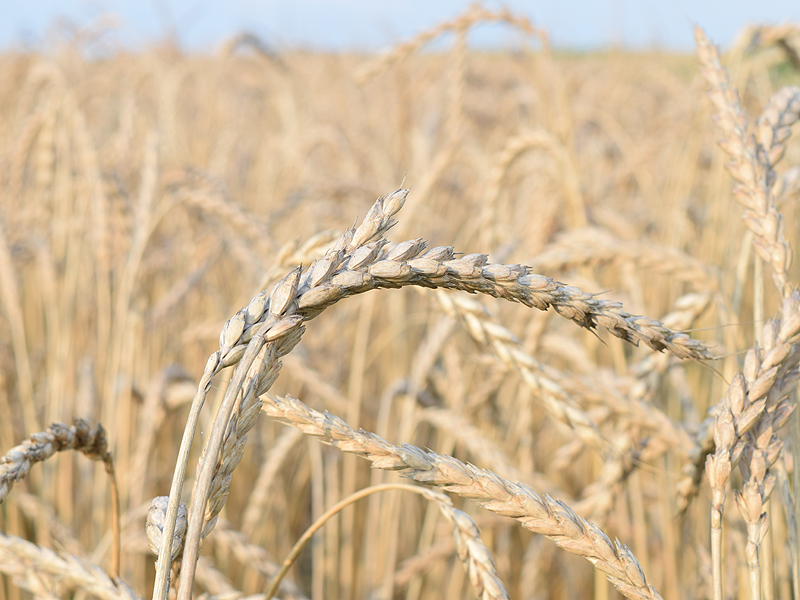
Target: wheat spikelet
[[81, 437]]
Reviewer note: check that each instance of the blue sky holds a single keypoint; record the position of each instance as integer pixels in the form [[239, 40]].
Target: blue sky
[[376, 24]]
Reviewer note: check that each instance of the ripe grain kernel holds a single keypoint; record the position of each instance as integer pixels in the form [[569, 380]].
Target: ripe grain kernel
[[256, 308], [535, 281], [349, 280], [323, 268], [476, 259], [463, 269], [498, 272], [232, 330], [234, 355], [428, 266], [319, 296], [389, 269], [406, 250], [284, 292], [439, 253], [364, 256], [283, 327]]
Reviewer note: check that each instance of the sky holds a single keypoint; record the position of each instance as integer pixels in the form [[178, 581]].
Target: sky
[[377, 24]]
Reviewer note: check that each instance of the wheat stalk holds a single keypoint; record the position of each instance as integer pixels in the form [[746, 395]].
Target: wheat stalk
[[475, 556]]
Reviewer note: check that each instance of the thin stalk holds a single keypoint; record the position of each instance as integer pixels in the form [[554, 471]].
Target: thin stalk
[[161, 586], [115, 518], [753, 550], [753, 564], [768, 559], [791, 524], [716, 559], [794, 424], [335, 509]]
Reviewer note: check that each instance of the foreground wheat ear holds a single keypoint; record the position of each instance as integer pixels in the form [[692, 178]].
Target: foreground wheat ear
[[271, 325]]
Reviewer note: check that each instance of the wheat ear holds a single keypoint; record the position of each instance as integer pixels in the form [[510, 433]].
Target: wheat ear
[[258, 335], [474, 15], [543, 515], [752, 158], [81, 437], [756, 403], [18, 557]]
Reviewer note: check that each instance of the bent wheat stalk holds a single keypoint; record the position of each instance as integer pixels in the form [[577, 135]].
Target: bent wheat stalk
[[471, 550]]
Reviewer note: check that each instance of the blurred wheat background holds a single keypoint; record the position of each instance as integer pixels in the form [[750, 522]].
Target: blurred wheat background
[[148, 196]]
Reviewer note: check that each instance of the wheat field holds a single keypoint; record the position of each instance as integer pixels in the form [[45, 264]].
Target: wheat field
[[562, 361]]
